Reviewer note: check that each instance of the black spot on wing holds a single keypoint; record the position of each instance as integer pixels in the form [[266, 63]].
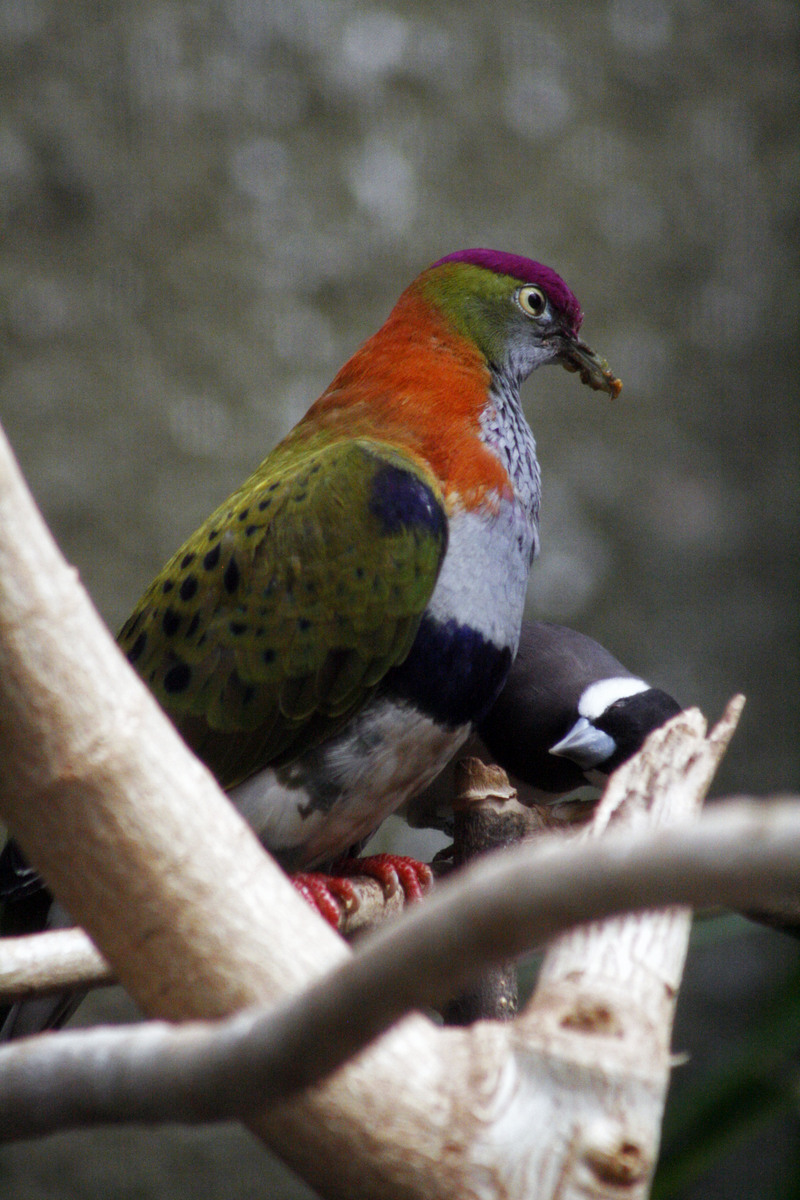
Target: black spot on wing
[[188, 587], [170, 622], [231, 577], [177, 678], [137, 649]]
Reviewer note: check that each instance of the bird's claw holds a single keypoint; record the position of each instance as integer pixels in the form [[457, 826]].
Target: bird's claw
[[334, 896], [443, 861], [392, 871], [330, 895]]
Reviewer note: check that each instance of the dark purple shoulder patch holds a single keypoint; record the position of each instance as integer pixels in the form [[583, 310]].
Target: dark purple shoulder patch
[[527, 271], [400, 500]]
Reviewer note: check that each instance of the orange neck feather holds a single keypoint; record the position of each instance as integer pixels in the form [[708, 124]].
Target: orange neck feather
[[420, 385]]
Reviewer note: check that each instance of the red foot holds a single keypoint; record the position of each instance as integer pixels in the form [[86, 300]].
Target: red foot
[[333, 895], [330, 895], [391, 871]]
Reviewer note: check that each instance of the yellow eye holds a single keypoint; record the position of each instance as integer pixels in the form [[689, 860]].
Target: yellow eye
[[532, 300]]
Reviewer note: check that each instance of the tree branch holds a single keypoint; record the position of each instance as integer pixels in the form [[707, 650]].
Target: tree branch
[[142, 848], [47, 962], [486, 816], [39, 963], [496, 909]]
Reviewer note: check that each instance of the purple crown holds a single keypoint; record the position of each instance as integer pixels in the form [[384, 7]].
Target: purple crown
[[527, 271]]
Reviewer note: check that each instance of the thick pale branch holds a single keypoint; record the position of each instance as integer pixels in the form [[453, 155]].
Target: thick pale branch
[[605, 996], [110, 806], [665, 785]]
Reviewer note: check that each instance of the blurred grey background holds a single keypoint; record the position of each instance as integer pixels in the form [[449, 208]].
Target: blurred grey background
[[204, 209]]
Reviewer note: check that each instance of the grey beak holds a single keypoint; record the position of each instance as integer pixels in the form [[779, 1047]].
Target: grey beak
[[585, 745]]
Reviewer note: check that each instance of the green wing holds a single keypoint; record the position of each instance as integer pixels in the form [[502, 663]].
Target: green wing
[[279, 616]]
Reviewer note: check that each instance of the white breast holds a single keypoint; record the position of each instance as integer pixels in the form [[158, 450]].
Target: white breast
[[484, 575]]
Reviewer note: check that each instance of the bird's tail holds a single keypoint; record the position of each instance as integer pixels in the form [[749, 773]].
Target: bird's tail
[[26, 906]]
